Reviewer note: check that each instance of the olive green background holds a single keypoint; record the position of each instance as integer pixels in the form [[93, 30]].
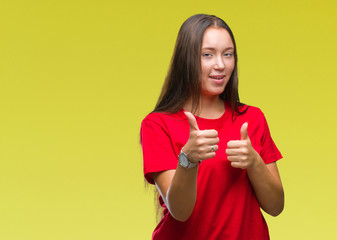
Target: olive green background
[[77, 78]]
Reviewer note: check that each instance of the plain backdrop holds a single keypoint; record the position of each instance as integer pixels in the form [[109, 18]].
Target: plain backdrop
[[78, 77]]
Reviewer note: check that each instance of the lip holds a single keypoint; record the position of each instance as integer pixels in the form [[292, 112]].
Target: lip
[[217, 78]]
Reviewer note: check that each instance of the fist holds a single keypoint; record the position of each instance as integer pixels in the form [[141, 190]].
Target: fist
[[201, 144], [241, 153]]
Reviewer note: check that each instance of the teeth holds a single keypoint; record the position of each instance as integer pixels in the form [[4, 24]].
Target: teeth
[[216, 77]]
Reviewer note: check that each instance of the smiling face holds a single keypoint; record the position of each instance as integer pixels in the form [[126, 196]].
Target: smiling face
[[217, 61]]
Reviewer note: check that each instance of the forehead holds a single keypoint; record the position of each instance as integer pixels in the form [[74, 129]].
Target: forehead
[[217, 38]]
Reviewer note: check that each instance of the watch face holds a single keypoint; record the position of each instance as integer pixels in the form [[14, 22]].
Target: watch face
[[183, 160]]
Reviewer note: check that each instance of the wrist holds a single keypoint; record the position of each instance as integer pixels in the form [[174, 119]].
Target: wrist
[[184, 160], [257, 162]]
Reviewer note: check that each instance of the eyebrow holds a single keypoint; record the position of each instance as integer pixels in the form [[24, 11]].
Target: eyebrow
[[213, 49]]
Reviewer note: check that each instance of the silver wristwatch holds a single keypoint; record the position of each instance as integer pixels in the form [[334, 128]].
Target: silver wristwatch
[[184, 162]]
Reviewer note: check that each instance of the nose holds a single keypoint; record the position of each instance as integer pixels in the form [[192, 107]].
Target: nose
[[219, 64]]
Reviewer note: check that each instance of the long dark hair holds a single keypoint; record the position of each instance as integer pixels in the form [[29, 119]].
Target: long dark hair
[[183, 79]]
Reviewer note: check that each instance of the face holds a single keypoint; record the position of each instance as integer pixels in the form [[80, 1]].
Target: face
[[217, 61]]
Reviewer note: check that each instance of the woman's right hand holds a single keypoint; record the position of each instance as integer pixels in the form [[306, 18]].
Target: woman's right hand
[[201, 144]]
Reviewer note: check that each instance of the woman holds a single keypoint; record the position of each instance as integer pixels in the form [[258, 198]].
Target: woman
[[211, 157]]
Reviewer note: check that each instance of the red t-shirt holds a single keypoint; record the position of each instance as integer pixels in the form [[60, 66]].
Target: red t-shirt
[[226, 207]]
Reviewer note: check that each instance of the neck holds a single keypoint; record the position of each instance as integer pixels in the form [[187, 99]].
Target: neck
[[209, 107]]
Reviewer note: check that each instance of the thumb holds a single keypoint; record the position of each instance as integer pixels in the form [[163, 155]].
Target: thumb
[[244, 131], [192, 121]]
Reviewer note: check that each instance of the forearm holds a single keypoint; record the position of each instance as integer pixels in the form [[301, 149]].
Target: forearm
[[267, 186], [182, 193], [178, 188]]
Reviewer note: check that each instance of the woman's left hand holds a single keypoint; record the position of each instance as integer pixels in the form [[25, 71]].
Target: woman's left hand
[[241, 153]]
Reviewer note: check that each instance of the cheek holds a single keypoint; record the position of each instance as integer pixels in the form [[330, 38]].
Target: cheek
[[203, 70], [230, 67]]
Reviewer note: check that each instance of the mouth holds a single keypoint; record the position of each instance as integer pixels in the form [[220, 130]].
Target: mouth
[[217, 77]]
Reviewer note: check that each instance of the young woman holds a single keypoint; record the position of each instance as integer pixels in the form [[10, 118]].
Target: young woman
[[211, 157]]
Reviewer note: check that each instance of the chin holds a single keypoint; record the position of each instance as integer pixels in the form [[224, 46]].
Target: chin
[[212, 93]]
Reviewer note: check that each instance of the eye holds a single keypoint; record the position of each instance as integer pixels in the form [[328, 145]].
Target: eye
[[230, 54], [206, 55]]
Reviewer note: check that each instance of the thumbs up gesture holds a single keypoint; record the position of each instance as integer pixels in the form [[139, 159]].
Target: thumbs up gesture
[[241, 153], [201, 144]]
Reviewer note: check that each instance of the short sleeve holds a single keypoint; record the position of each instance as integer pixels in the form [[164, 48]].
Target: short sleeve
[[158, 150], [269, 152]]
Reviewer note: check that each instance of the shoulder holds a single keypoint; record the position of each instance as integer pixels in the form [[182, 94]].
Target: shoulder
[[164, 118], [251, 111]]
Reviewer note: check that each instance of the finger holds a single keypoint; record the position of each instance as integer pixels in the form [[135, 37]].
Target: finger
[[207, 156], [233, 151], [237, 165], [213, 148], [244, 131], [209, 133], [192, 121], [211, 141], [233, 158], [236, 144]]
